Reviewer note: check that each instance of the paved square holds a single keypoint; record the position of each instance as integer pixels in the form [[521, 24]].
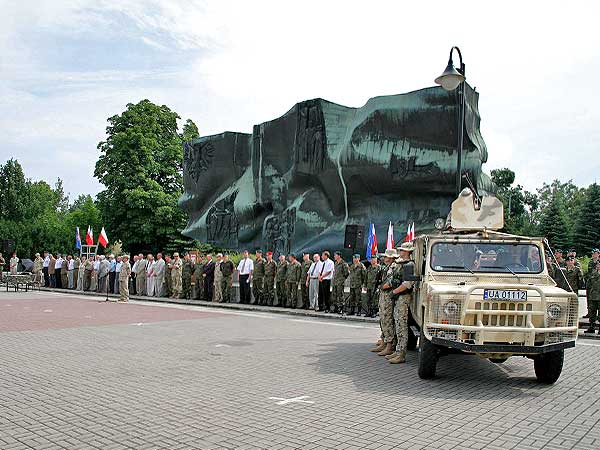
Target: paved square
[[78, 373]]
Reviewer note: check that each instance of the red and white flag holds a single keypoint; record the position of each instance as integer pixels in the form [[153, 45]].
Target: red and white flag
[[89, 237], [410, 233], [390, 237], [103, 239]]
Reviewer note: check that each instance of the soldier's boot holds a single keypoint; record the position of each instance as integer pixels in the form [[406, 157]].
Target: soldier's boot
[[399, 358], [351, 310], [591, 328], [388, 350], [378, 347]]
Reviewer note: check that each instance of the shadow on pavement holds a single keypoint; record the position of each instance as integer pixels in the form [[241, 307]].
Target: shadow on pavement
[[457, 377]]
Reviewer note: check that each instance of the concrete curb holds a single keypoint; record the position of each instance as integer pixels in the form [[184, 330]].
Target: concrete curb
[[234, 306]]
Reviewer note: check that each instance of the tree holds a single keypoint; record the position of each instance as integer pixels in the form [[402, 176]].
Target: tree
[[518, 203], [587, 230], [141, 167], [13, 191], [553, 224]]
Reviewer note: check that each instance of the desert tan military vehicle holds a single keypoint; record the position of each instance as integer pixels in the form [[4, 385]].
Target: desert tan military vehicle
[[486, 293]]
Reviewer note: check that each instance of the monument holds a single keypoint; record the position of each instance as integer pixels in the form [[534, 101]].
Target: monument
[[296, 182]]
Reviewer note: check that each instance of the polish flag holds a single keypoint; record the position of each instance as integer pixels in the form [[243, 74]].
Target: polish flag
[[89, 237], [410, 233], [103, 239], [390, 238]]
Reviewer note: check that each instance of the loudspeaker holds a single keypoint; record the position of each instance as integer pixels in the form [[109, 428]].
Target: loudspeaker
[[8, 245], [354, 237]]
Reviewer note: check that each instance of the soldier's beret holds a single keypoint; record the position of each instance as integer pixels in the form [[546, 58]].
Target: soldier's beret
[[596, 250], [558, 250], [571, 258], [291, 255], [571, 250], [356, 255], [338, 253], [269, 253], [259, 251]]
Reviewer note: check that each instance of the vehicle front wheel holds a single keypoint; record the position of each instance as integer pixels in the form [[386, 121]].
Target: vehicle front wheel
[[428, 358], [548, 366]]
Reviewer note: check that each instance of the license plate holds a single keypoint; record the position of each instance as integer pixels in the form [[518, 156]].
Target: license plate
[[501, 294]]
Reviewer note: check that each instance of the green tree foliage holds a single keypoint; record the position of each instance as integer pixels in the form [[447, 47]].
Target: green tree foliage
[[518, 203], [37, 216], [141, 167], [553, 224], [587, 230]]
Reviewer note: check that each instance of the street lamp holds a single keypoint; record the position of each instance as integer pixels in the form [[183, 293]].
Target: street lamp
[[451, 79]]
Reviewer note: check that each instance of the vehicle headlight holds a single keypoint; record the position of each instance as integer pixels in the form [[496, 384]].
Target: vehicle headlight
[[554, 311], [451, 309]]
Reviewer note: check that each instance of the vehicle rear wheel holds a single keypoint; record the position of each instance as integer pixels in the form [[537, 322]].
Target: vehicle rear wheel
[[548, 366], [498, 360], [428, 358]]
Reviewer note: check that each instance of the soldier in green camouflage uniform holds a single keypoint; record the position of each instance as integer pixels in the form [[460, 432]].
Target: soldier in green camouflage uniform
[[269, 281], [340, 273], [293, 276], [186, 276], [258, 277], [573, 276], [306, 263], [593, 296], [227, 269], [280, 279], [372, 275], [358, 278], [386, 305], [198, 278], [402, 295]]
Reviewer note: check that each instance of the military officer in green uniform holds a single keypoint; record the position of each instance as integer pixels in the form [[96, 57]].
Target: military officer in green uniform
[[372, 276], [258, 277], [358, 278], [227, 269], [293, 276], [187, 269], [306, 263], [340, 273], [269, 281], [199, 279], [593, 296], [280, 279], [574, 277]]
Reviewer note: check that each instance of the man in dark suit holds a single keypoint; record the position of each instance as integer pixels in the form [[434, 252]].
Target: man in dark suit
[[208, 273]]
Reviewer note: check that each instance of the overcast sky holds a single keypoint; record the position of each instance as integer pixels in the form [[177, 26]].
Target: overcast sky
[[67, 65]]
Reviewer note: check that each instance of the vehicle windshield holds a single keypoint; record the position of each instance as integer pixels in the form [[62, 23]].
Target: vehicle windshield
[[486, 257]]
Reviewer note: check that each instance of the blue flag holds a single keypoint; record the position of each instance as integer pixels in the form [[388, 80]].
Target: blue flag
[[77, 238]]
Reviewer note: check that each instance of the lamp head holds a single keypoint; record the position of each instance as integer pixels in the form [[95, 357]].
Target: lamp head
[[451, 77]]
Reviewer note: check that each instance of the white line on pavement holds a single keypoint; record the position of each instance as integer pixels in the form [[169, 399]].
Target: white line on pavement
[[590, 344], [286, 401]]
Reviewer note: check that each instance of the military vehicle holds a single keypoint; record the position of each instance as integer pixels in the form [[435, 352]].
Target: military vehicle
[[482, 292]]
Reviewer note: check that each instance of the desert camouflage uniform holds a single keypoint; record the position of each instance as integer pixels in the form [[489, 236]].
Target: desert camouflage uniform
[[386, 305], [176, 277], [401, 304]]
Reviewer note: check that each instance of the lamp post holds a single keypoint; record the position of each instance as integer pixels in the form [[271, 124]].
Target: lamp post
[[451, 79]]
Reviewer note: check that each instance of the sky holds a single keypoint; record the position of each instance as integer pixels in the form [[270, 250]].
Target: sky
[[68, 65]]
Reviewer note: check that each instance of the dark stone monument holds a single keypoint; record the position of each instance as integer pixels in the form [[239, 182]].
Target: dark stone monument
[[297, 181]]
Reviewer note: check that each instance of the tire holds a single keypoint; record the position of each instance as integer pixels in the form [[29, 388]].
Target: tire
[[498, 360], [428, 358], [412, 340], [548, 366]]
